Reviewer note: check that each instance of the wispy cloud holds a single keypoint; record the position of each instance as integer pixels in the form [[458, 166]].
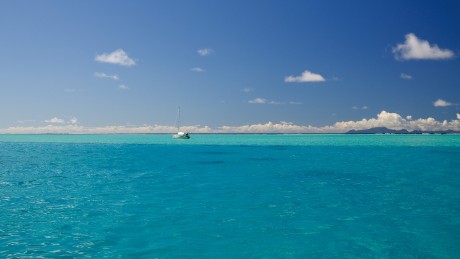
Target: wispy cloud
[[123, 87], [384, 119], [197, 69], [360, 108], [117, 57], [205, 52], [406, 76], [415, 48], [265, 101], [248, 89], [104, 75], [55, 120], [442, 103], [306, 76], [258, 101]]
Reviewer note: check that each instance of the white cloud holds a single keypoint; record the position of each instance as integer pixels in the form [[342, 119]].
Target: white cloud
[[383, 119], [406, 76], [205, 52], [104, 75], [360, 108], [441, 103], [248, 90], [258, 101], [118, 57], [74, 120], [55, 120], [306, 76], [415, 48], [197, 69], [123, 87], [396, 121]]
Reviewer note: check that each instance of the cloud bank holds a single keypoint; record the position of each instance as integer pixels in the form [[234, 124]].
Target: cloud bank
[[383, 119], [306, 76], [415, 48], [118, 57]]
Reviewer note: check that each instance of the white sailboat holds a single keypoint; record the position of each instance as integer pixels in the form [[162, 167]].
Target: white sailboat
[[180, 134]]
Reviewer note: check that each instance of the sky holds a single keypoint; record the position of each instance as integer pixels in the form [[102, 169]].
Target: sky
[[232, 66]]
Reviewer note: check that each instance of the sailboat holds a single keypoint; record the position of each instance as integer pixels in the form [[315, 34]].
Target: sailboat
[[180, 134]]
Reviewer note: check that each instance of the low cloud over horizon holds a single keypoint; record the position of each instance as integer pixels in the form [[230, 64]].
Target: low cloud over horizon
[[384, 119]]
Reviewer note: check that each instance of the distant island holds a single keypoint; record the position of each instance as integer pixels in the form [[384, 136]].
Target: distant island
[[384, 130]]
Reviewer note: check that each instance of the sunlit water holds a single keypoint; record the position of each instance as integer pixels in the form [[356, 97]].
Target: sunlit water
[[231, 196]]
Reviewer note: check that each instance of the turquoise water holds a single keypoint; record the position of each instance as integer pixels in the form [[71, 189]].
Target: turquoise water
[[230, 196]]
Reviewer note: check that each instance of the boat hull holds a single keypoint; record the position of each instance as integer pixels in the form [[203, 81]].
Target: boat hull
[[181, 135]]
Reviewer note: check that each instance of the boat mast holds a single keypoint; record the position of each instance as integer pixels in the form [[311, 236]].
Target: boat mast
[[178, 119]]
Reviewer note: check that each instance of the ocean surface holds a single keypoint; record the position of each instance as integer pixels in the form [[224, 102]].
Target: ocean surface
[[230, 196]]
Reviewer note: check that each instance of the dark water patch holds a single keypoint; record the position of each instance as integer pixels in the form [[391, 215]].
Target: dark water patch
[[27, 183], [446, 151], [262, 159], [212, 152], [280, 147]]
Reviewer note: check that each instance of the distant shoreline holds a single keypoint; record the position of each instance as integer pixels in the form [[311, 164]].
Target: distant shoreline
[[384, 130]]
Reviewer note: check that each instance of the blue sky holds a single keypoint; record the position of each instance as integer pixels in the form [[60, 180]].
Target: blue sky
[[131, 63]]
